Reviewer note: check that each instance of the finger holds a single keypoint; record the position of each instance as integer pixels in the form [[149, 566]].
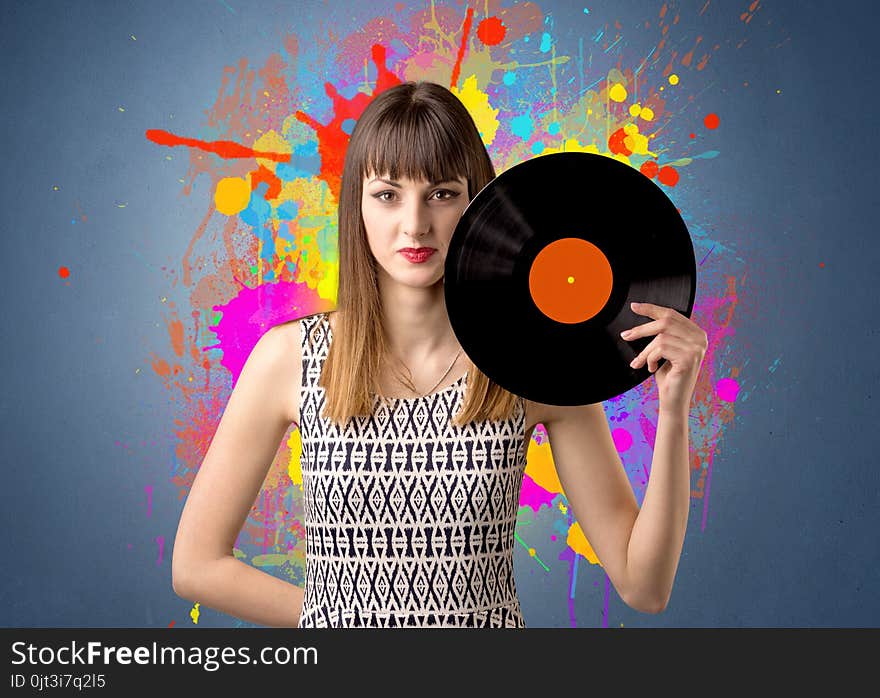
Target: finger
[[639, 360], [645, 330], [650, 309], [662, 346], [673, 349]]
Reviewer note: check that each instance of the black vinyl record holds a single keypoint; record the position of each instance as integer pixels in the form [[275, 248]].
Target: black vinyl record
[[543, 265]]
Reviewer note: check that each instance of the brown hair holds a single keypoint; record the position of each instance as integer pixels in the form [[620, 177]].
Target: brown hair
[[418, 130]]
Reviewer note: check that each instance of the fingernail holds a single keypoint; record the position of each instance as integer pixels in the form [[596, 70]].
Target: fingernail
[[633, 305], [625, 333]]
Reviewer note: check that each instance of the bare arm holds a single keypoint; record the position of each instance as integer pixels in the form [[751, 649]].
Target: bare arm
[[639, 547], [226, 486], [659, 530]]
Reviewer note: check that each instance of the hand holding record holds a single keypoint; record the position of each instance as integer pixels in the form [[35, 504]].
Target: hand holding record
[[681, 342], [543, 265]]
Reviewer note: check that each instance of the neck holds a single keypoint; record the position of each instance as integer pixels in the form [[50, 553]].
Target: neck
[[416, 323]]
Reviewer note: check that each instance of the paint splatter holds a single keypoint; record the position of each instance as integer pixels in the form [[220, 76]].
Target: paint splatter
[[491, 31], [271, 255]]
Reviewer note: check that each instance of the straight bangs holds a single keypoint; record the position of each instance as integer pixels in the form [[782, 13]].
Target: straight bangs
[[419, 131], [417, 145]]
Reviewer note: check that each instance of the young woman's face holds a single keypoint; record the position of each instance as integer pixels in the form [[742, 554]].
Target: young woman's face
[[411, 214]]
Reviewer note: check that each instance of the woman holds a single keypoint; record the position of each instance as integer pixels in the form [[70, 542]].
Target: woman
[[412, 458]]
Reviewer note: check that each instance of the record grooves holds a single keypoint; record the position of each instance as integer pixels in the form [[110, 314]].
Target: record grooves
[[542, 267]]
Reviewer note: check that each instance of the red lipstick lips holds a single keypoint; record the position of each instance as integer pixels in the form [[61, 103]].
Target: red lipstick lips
[[417, 255]]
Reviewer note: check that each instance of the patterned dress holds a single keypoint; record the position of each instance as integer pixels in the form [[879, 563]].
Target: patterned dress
[[409, 519]]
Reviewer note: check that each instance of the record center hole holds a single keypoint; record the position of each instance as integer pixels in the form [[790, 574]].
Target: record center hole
[[552, 276]]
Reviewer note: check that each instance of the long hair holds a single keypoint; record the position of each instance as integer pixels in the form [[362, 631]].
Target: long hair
[[418, 130]]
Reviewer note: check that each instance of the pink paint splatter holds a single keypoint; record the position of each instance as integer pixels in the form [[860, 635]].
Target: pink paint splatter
[[533, 495], [622, 439], [727, 389]]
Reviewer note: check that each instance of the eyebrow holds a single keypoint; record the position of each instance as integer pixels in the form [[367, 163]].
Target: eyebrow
[[396, 184]]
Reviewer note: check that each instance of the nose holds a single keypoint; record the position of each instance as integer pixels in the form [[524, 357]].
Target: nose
[[416, 219]]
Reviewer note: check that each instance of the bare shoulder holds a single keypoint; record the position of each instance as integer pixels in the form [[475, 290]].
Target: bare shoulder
[[286, 341], [288, 336]]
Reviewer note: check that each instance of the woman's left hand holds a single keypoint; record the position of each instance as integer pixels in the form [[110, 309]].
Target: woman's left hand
[[681, 342]]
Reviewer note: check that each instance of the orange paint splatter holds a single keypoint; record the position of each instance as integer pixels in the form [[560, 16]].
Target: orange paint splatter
[[491, 31], [711, 121], [689, 56], [161, 367], [747, 16], [649, 169], [63, 272], [668, 175]]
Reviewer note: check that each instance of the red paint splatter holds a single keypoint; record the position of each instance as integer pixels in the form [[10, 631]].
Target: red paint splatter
[[616, 143], [821, 265], [225, 149], [263, 174], [63, 272], [171, 624], [649, 169], [491, 31], [332, 140], [464, 35], [693, 135], [711, 121], [668, 175]]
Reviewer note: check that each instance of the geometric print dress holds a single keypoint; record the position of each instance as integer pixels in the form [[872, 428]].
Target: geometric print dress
[[409, 519]]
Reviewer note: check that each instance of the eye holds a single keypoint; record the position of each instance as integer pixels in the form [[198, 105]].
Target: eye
[[448, 191], [452, 195]]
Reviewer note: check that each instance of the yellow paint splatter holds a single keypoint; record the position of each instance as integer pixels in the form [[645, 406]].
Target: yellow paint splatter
[[232, 195], [635, 109], [673, 79], [647, 114], [194, 613], [578, 542], [271, 142], [540, 467], [121, 108], [635, 141], [617, 92], [328, 286], [477, 103], [294, 467]]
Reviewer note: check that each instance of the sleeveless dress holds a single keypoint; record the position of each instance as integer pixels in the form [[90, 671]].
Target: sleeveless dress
[[409, 519]]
